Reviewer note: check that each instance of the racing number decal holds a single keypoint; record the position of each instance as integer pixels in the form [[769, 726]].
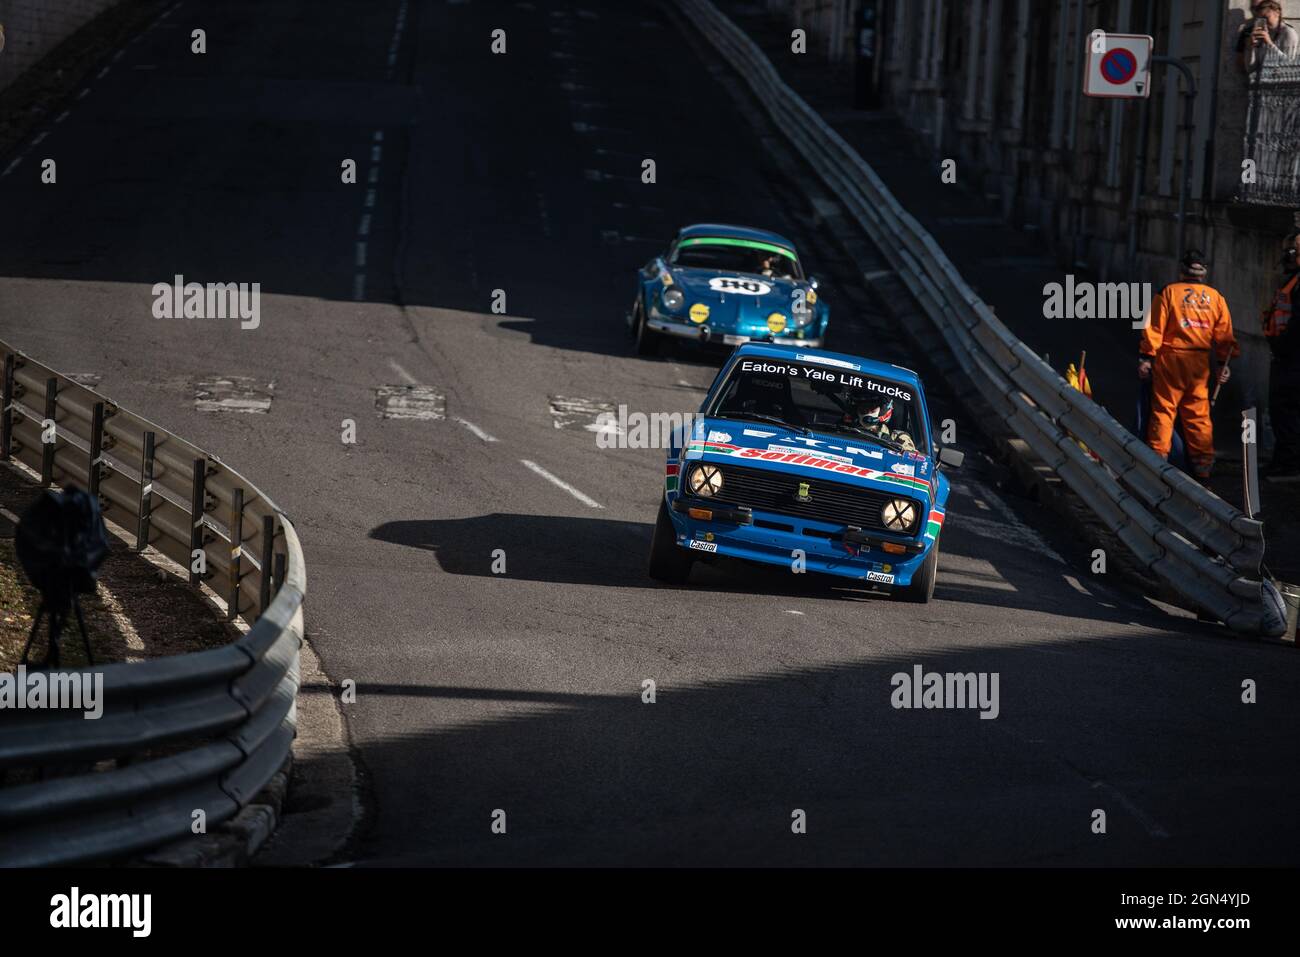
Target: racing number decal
[[739, 286]]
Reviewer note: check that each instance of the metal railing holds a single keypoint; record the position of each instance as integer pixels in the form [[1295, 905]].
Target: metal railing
[[1273, 134], [201, 732], [1204, 549]]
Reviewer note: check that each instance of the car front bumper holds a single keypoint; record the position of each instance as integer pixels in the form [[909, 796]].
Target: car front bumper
[[688, 330], [746, 534]]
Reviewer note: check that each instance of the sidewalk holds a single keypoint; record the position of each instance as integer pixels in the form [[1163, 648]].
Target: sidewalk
[[1008, 266]]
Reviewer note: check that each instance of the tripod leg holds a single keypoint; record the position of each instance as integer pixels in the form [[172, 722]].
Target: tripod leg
[[36, 625], [57, 621], [85, 639]]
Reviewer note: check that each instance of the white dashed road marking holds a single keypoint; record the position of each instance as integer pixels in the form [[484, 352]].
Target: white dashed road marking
[[406, 376], [560, 483], [475, 430]]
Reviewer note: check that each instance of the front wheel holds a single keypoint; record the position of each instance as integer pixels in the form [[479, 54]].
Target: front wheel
[[922, 588], [668, 563]]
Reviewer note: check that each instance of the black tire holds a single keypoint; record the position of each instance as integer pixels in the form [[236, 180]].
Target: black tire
[[647, 340], [668, 562], [922, 588]]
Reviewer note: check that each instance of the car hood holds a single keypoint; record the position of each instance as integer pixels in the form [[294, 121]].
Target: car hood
[[738, 299], [832, 457]]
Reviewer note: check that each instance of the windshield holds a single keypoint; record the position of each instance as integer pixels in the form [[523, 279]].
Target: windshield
[[738, 255], [830, 399]]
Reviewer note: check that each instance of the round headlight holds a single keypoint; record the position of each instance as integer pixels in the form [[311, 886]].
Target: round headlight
[[705, 480], [899, 515], [673, 298]]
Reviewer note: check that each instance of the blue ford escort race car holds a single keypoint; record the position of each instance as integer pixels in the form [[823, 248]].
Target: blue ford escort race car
[[813, 460], [727, 285]]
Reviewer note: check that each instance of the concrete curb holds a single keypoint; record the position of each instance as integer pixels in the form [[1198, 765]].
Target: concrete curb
[[307, 813], [323, 805], [234, 842]]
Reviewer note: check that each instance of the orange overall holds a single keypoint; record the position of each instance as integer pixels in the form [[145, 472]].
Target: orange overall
[[1189, 320]]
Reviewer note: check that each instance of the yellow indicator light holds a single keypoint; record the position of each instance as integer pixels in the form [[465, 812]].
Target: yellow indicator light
[[703, 514]]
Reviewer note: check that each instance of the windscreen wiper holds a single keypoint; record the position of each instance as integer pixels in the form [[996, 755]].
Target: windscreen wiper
[[881, 440], [774, 420]]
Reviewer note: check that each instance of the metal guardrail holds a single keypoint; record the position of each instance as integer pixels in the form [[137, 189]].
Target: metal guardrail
[[1207, 551], [203, 731]]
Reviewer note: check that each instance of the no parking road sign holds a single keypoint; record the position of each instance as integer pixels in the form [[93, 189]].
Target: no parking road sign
[[1119, 65]]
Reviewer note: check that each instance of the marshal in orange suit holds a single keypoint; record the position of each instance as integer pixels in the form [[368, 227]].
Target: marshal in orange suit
[[1190, 323]]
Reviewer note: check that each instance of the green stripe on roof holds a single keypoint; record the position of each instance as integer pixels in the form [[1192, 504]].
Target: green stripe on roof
[[747, 243]]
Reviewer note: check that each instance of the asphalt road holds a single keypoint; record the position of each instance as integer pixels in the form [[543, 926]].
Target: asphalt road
[[522, 691]]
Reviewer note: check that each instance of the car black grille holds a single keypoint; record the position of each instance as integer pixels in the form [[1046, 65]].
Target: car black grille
[[832, 502]]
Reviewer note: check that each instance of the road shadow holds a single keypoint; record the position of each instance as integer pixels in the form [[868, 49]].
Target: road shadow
[[578, 550], [712, 772]]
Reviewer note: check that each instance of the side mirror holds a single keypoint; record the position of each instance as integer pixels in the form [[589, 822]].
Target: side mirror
[[951, 458]]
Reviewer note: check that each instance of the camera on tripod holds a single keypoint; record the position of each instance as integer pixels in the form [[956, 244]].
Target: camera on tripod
[[61, 542]]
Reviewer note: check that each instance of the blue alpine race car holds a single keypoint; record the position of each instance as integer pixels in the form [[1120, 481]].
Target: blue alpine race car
[[813, 460], [727, 285]]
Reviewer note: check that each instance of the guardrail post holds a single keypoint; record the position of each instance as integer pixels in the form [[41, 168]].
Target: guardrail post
[[236, 551], [7, 409], [268, 561], [1249, 463], [96, 448], [146, 493], [47, 448], [198, 495]]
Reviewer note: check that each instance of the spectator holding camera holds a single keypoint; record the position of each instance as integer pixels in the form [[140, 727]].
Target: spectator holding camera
[[1267, 35]]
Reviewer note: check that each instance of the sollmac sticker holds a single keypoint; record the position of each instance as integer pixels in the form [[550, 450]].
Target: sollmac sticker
[[811, 462]]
